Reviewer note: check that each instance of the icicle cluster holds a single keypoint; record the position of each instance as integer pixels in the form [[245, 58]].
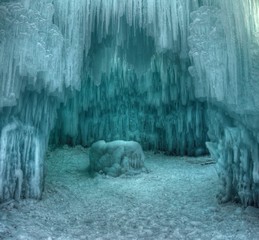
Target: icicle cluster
[[224, 50], [120, 69], [21, 162], [157, 110], [50, 51], [136, 86], [224, 45], [166, 21], [30, 51], [237, 153]]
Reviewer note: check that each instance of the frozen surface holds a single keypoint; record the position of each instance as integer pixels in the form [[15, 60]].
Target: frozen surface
[[176, 200], [23, 140], [116, 158]]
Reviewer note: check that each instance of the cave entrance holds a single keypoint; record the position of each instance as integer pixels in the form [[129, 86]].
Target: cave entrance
[[177, 192]]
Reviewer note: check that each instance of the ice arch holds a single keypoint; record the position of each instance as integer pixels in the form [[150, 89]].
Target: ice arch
[[169, 74]]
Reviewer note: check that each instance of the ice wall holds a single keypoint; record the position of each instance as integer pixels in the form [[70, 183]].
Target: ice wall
[[156, 109], [224, 43], [83, 58], [24, 137], [135, 84], [30, 50], [142, 70], [30, 80]]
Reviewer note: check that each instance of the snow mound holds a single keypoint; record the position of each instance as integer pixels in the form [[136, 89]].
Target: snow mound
[[116, 158]]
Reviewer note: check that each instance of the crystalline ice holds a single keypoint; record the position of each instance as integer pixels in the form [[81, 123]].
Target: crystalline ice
[[223, 41], [21, 155], [168, 74]]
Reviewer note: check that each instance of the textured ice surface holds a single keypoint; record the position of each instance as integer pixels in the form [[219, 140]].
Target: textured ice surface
[[116, 158], [23, 140], [176, 200], [134, 70], [224, 45], [157, 109], [30, 50], [21, 155], [236, 152]]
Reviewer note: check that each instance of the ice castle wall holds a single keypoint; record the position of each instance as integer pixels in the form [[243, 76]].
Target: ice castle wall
[[156, 71], [157, 110], [50, 60], [224, 45]]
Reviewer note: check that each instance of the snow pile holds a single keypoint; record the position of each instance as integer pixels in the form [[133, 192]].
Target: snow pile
[[116, 158]]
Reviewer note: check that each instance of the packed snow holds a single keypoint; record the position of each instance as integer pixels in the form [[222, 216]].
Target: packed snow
[[176, 199]]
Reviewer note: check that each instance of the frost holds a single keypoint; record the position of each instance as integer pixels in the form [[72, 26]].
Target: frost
[[116, 158]]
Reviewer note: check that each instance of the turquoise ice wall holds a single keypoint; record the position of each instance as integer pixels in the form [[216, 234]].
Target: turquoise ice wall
[[173, 75], [224, 50]]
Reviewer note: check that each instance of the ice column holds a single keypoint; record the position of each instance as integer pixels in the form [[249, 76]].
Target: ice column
[[224, 53]]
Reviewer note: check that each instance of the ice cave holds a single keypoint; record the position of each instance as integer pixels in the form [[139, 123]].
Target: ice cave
[[178, 80]]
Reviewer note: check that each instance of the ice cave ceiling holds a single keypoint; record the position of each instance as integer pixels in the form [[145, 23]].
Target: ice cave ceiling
[[181, 76]]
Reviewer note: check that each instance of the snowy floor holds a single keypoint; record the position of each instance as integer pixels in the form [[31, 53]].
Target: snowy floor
[[176, 200]]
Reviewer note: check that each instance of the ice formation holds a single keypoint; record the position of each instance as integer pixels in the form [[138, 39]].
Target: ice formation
[[224, 43], [171, 75], [116, 158]]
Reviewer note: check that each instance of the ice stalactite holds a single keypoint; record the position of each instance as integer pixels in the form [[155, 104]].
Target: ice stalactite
[[156, 109], [30, 51], [224, 47], [77, 20], [224, 52], [135, 83], [236, 150], [49, 55], [24, 137], [140, 70]]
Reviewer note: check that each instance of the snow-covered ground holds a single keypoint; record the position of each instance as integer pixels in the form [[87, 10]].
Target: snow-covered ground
[[176, 200]]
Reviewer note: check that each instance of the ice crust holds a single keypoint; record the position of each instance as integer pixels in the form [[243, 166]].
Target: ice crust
[[116, 158], [163, 73]]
